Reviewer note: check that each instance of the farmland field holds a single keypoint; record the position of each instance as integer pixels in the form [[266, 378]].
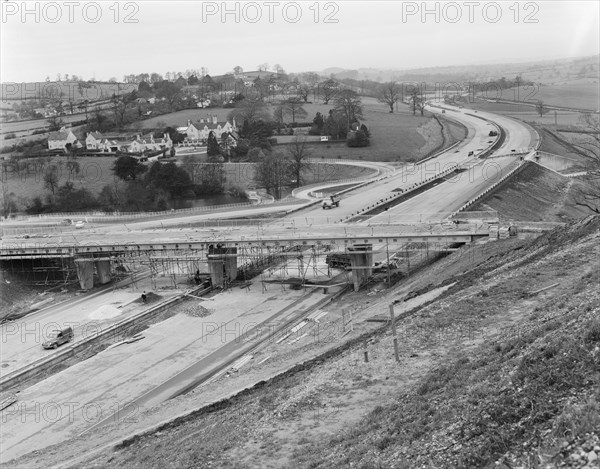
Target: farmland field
[[577, 95], [528, 113]]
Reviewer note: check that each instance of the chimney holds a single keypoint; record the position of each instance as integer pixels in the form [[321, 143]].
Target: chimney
[[189, 122], [215, 120]]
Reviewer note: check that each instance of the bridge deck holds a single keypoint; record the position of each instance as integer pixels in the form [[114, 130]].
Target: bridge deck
[[195, 241]]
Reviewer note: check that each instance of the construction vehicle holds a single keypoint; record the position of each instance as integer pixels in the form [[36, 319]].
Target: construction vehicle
[[332, 201], [338, 261]]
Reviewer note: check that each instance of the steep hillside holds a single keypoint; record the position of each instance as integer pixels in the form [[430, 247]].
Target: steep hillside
[[533, 194], [500, 371]]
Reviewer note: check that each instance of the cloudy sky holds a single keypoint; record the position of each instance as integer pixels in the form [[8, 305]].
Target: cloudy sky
[[111, 39]]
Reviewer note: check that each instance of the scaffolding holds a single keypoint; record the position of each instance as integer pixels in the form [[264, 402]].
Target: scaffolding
[[182, 263]]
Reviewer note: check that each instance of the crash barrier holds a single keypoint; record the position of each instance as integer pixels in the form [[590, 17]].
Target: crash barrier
[[399, 194]]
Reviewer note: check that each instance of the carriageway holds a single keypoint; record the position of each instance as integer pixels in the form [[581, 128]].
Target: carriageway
[[227, 253]]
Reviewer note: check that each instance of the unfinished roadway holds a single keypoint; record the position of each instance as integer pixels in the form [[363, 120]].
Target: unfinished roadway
[[74, 400]]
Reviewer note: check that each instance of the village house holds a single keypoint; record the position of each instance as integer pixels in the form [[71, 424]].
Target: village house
[[129, 143], [94, 140], [147, 143], [196, 132], [59, 140]]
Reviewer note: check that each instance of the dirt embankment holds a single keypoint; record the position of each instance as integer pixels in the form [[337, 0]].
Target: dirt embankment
[[534, 194], [494, 373]]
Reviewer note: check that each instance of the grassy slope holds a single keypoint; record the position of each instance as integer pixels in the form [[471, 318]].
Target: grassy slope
[[488, 373], [533, 194]]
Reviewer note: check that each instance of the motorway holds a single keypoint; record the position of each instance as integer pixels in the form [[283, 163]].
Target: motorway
[[106, 381], [479, 174]]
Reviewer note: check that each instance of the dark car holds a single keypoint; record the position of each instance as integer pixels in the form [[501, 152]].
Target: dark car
[[58, 337]]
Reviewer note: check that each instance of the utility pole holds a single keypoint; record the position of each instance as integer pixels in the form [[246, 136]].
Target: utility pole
[[394, 333]]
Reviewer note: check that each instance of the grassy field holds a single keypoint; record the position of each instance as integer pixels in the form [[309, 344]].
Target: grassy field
[[584, 95], [528, 113]]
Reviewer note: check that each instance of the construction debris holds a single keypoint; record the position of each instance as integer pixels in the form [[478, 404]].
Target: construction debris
[[197, 311]]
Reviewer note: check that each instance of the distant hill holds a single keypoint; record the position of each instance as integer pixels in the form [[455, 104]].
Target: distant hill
[[543, 71]]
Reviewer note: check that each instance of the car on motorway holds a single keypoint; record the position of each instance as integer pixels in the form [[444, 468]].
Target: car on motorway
[[58, 337]]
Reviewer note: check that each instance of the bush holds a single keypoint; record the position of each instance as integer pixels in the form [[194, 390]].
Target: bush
[[10, 136], [358, 139]]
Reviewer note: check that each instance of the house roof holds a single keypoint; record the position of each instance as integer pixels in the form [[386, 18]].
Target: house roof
[[211, 126], [58, 136], [97, 135]]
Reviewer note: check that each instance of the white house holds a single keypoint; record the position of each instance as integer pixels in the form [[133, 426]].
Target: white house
[[59, 140], [148, 143], [200, 131], [94, 141]]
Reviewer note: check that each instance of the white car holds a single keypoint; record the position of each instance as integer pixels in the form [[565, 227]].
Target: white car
[[79, 225]]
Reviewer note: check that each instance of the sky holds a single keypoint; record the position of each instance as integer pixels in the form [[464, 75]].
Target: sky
[[105, 39]]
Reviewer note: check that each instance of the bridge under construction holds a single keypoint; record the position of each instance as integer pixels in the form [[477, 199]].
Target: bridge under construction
[[225, 254]]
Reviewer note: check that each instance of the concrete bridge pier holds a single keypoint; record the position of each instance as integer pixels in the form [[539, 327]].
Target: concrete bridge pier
[[103, 270], [85, 273], [361, 261], [222, 265]]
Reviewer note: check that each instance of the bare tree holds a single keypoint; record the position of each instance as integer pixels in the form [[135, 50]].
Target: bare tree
[[278, 114], [389, 93], [348, 103], [54, 123], [415, 101], [51, 179], [327, 90], [293, 107], [120, 109], [272, 173], [539, 106], [250, 110], [299, 153], [8, 201]]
